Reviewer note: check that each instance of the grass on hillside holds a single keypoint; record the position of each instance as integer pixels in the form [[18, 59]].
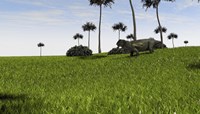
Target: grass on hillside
[[166, 81]]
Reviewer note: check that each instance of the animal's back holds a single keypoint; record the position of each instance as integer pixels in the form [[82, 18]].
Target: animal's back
[[143, 44]]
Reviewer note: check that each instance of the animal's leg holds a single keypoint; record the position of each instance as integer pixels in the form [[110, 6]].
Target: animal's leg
[[131, 53], [150, 46], [136, 51]]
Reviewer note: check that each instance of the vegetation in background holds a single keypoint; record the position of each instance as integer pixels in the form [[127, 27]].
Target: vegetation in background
[[134, 21], [186, 42], [158, 29], [155, 4], [89, 26], [120, 27], [101, 3], [79, 51], [172, 36], [78, 36], [40, 45]]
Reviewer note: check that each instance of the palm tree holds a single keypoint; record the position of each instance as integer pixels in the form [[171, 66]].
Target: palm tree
[[130, 36], [172, 36], [134, 20], [89, 26], [78, 36], [186, 42], [158, 29], [40, 45], [155, 4], [101, 3], [120, 27]]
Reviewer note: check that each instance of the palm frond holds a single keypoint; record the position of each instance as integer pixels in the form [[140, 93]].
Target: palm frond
[[115, 27], [162, 29], [89, 26], [96, 2], [40, 44], [185, 41], [130, 36], [153, 3], [156, 30], [102, 2], [78, 36], [124, 28], [108, 3], [169, 37], [172, 35], [119, 26]]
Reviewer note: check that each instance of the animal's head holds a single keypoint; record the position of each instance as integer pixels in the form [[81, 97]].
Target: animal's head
[[158, 45], [121, 43]]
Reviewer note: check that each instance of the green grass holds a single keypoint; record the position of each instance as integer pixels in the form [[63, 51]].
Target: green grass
[[164, 82]]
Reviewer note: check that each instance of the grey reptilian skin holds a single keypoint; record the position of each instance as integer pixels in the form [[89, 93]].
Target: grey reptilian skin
[[140, 45]]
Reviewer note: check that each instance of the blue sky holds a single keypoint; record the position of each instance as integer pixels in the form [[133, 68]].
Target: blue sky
[[24, 23]]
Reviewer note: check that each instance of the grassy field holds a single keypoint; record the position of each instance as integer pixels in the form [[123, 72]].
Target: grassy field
[[164, 82]]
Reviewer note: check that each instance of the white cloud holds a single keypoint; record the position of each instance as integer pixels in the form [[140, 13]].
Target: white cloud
[[41, 3], [80, 11], [124, 12], [175, 19], [46, 17], [184, 4]]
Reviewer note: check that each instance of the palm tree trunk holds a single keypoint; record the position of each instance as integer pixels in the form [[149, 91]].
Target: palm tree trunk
[[161, 36], [173, 42], [40, 51], [78, 41], [99, 47], [89, 39], [119, 34], [134, 21]]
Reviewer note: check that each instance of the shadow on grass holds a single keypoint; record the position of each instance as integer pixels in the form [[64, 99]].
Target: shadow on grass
[[194, 66], [19, 104], [11, 103], [4, 97], [141, 54], [93, 57]]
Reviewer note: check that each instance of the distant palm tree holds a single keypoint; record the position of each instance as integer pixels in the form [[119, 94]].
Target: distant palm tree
[[134, 20], [130, 36], [155, 4], [40, 45], [78, 36], [120, 27], [89, 27], [158, 29], [172, 36], [101, 3], [186, 42]]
